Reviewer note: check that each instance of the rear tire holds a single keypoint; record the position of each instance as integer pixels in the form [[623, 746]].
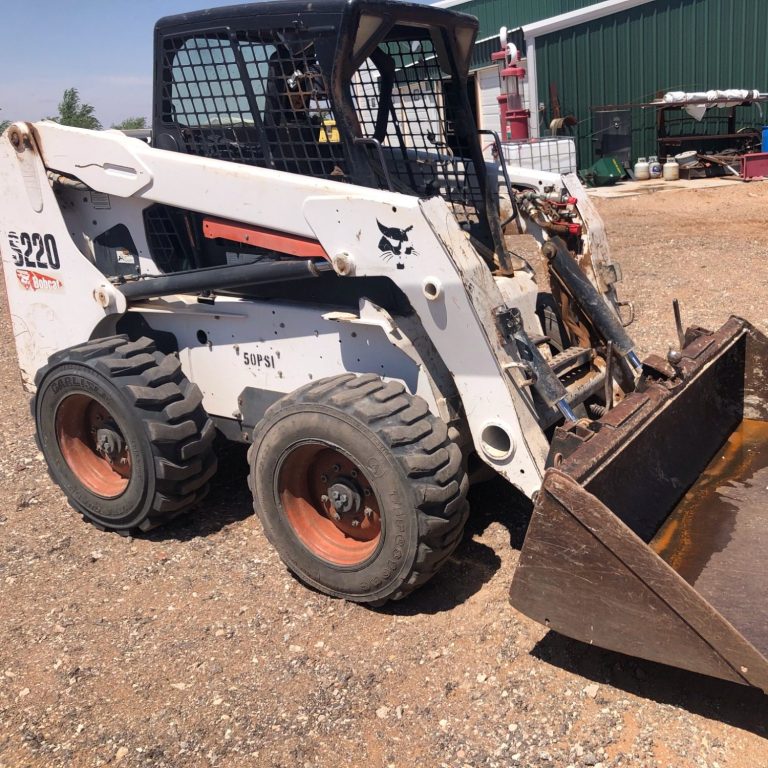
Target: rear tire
[[124, 433], [397, 481]]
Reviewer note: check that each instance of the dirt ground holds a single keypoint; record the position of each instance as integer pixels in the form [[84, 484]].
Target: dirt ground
[[193, 646]]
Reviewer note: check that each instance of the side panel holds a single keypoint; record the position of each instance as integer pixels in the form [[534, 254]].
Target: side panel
[[275, 347], [55, 293], [89, 214]]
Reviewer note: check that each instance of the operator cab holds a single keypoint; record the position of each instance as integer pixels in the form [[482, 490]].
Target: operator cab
[[368, 92]]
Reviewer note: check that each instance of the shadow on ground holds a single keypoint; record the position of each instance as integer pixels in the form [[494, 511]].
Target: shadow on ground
[[708, 697], [496, 501], [473, 563]]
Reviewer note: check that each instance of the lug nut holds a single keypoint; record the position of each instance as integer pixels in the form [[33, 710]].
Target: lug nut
[[324, 499], [336, 516], [355, 523], [368, 512], [335, 495]]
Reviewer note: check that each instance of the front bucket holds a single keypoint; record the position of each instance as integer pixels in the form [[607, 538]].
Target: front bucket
[[650, 537]]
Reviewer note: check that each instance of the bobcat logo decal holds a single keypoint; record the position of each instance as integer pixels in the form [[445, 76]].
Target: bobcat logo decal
[[392, 243]]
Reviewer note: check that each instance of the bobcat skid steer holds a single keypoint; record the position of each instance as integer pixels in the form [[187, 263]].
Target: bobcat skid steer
[[309, 259]]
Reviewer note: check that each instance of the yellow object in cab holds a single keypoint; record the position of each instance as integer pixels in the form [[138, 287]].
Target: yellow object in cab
[[329, 133]]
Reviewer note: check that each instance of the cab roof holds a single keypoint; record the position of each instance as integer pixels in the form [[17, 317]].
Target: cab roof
[[304, 10]]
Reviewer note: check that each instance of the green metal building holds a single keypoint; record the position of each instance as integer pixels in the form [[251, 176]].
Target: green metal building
[[620, 52]]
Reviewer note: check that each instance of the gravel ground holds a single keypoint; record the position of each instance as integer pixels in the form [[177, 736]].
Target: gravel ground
[[192, 646]]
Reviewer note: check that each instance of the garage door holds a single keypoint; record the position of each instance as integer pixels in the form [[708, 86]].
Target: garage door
[[487, 92]]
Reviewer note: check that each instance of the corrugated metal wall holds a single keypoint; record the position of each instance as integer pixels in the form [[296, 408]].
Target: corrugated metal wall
[[665, 45]]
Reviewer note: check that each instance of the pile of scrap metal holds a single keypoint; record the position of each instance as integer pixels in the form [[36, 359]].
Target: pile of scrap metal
[[745, 165]]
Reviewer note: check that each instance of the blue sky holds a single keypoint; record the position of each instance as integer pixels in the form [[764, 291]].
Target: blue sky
[[101, 47]]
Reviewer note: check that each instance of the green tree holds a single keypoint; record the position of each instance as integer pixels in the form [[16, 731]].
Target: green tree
[[131, 124], [73, 112]]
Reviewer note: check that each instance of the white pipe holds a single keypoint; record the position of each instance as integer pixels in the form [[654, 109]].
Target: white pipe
[[533, 88]]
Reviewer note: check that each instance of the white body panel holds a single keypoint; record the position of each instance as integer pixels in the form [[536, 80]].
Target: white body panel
[[274, 346], [54, 294]]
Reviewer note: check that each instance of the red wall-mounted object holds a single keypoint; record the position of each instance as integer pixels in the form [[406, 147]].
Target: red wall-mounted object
[[513, 117]]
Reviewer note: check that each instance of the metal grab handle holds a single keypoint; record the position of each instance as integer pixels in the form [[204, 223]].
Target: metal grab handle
[[504, 172], [377, 144]]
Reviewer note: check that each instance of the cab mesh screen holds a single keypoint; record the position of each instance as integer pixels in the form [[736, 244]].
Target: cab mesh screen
[[424, 152], [259, 99]]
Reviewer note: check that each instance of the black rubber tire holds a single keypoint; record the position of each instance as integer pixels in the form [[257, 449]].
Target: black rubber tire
[[160, 414], [410, 461]]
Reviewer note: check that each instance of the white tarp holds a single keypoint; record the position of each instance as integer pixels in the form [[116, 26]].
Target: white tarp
[[730, 97]]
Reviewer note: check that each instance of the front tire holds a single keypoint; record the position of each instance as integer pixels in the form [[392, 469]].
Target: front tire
[[358, 487], [124, 433]]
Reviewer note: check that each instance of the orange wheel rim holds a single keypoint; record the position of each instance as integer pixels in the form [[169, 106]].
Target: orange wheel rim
[[329, 504], [93, 445]]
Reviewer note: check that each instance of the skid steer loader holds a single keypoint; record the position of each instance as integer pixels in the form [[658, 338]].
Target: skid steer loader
[[310, 259]]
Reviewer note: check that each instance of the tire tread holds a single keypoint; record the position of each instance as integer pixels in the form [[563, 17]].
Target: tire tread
[[170, 409]]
